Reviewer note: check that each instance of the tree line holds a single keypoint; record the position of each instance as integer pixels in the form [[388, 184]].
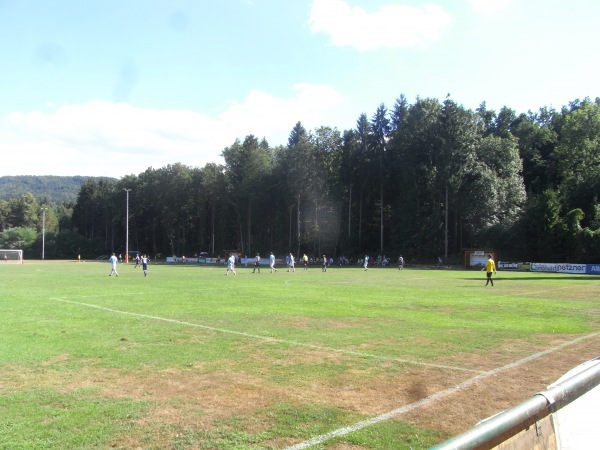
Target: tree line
[[424, 179]]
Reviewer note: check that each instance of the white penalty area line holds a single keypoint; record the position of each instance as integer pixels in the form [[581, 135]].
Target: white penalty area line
[[270, 339], [432, 398]]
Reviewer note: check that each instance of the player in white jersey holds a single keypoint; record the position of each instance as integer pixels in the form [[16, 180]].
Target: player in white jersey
[[256, 263], [145, 260], [231, 265], [113, 262]]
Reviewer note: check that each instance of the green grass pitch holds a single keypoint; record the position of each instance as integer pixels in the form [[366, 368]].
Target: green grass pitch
[[190, 358]]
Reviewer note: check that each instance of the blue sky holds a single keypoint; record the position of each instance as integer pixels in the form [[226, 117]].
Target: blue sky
[[110, 88]]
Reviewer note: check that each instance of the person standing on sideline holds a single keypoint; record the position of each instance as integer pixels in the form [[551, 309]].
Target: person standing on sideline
[[305, 261], [400, 263], [256, 263], [490, 267], [324, 266], [144, 261], [366, 262], [292, 263], [272, 262], [113, 263], [231, 264]]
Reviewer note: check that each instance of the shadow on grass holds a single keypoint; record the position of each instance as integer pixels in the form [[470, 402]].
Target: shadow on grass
[[534, 278]]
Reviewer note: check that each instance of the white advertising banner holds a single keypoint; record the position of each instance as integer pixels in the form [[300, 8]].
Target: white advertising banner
[[558, 268]]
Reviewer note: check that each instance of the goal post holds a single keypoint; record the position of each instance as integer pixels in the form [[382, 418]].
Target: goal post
[[11, 256]]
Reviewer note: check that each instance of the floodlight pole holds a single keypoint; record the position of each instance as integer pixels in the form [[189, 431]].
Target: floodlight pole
[[43, 232], [290, 243], [127, 225], [381, 151]]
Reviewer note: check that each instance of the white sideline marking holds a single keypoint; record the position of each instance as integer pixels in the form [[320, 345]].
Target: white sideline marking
[[430, 399], [270, 339]]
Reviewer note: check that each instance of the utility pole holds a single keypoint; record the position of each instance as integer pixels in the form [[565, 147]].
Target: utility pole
[[43, 233], [127, 191]]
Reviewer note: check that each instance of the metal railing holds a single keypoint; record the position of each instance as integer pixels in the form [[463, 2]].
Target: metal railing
[[503, 426]]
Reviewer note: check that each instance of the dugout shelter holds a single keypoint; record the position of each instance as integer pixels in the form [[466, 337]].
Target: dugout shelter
[[476, 259]]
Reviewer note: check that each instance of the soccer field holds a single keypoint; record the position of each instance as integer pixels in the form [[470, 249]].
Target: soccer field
[[188, 358]]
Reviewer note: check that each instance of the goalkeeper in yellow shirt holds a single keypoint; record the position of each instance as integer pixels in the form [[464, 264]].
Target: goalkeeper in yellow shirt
[[490, 267]]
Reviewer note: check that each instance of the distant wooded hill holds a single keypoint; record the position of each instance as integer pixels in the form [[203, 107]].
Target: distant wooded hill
[[53, 188]]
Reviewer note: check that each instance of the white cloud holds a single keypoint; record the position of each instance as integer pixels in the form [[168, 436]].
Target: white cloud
[[392, 26], [265, 115], [490, 6], [101, 138]]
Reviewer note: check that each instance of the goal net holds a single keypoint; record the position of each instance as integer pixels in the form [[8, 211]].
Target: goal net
[[11, 256]]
